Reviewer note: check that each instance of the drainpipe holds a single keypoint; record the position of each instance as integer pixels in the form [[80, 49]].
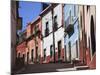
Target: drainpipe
[[84, 48], [35, 44], [53, 33]]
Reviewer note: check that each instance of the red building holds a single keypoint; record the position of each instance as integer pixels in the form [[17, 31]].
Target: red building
[[34, 43], [21, 50]]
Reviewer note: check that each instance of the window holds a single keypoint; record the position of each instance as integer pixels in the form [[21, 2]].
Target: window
[[55, 23], [47, 29], [55, 18], [18, 55], [27, 57], [74, 10], [88, 6], [23, 58], [69, 50], [47, 25], [76, 49]]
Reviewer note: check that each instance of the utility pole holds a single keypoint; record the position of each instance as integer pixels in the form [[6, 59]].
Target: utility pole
[[52, 5]]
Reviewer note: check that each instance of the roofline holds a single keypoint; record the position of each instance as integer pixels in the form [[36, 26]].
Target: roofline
[[49, 7], [35, 20], [42, 13]]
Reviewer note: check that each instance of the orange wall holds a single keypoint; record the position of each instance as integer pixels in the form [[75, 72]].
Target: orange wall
[[28, 30]]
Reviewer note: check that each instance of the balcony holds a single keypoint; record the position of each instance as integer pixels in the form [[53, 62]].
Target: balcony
[[69, 26], [46, 32], [36, 32]]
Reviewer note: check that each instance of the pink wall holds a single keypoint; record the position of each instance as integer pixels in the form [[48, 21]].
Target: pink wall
[[21, 48]]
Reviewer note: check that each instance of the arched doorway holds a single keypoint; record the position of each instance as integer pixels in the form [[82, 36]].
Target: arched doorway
[[27, 57], [18, 55], [92, 32], [23, 59]]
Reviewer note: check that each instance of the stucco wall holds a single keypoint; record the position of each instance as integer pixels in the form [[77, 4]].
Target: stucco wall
[[71, 10], [21, 48], [45, 18]]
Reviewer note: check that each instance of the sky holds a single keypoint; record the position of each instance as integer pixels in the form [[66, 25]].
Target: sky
[[28, 11]]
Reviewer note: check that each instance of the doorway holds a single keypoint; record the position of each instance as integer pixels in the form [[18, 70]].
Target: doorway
[[32, 55], [93, 42], [36, 53], [69, 44], [59, 49], [23, 59], [27, 57]]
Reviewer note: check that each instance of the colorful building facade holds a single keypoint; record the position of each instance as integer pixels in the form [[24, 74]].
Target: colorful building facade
[[64, 36], [71, 37], [34, 43], [52, 26]]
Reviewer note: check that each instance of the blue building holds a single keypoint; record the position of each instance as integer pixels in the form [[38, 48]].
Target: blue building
[[71, 35]]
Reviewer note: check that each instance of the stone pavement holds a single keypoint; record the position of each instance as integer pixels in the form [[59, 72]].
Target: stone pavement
[[41, 68], [51, 67]]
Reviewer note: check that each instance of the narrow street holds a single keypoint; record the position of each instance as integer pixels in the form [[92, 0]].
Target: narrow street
[[41, 68], [60, 41], [51, 67]]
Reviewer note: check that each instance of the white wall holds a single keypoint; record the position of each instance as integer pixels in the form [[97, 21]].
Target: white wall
[[58, 11], [45, 18], [47, 41], [59, 34]]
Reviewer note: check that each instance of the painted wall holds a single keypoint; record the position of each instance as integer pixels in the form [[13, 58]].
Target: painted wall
[[38, 37], [47, 41], [71, 10], [91, 59], [45, 18], [85, 26], [21, 48], [30, 46], [59, 34]]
